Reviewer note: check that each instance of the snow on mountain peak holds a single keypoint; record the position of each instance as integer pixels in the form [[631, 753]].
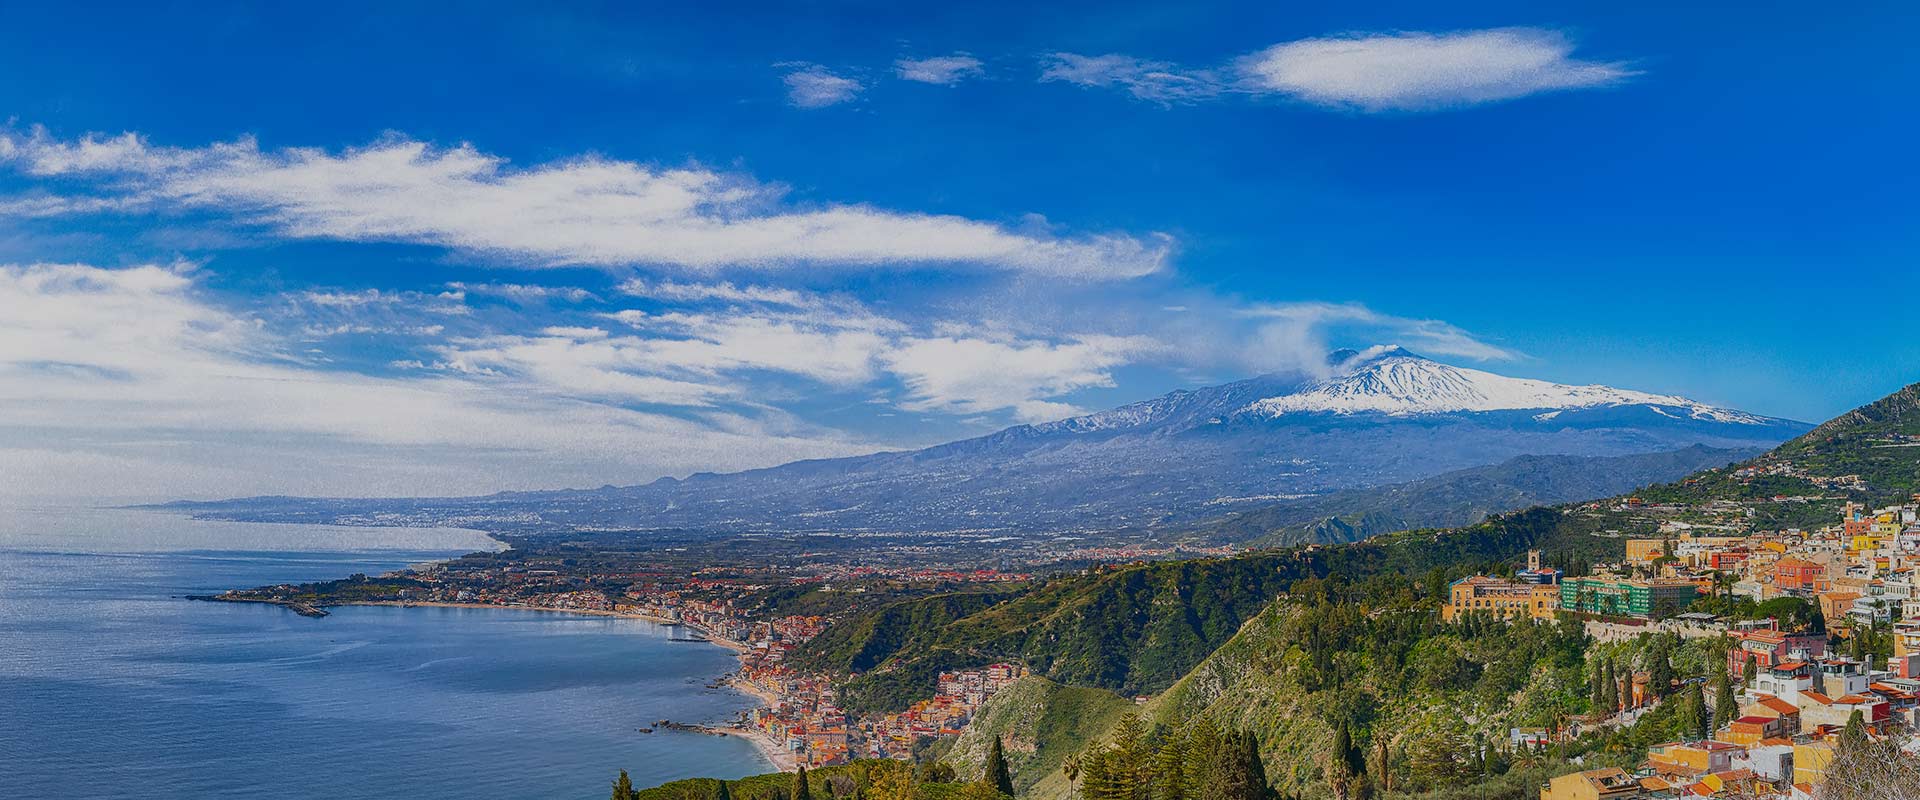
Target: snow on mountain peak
[[1391, 380]]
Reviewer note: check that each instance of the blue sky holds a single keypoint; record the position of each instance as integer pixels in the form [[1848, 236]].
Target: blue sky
[[382, 249]]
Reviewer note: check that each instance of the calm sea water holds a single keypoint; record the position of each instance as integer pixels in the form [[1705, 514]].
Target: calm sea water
[[110, 685]]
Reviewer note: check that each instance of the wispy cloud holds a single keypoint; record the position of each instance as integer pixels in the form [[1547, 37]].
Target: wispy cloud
[[939, 70], [1368, 72], [584, 211], [1425, 71], [1307, 328], [815, 86], [1155, 81], [724, 291]]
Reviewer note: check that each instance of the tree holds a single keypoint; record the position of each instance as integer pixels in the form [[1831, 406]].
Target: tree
[[931, 771], [1698, 721], [997, 775], [801, 791], [1751, 671], [1866, 769], [1169, 770], [979, 791], [1725, 708], [623, 788], [1235, 771], [894, 784], [1855, 733], [720, 791], [1340, 772]]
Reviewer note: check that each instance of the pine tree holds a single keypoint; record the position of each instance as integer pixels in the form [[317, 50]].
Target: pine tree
[[801, 791], [623, 787], [997, 775], [1169, 772]]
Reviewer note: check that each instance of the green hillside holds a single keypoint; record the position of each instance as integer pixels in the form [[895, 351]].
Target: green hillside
[[1136, 629], [1040, 723]]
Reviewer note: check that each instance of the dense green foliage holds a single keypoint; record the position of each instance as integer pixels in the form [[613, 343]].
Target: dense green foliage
[[1199, 763], [1136, 629], [860, 780]]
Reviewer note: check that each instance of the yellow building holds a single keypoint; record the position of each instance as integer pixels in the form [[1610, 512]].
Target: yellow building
[[1501, 598], [1611, 783], [1810, 762], [1645, 550]]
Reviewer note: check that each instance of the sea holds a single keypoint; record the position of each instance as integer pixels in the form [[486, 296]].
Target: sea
[[112, 684]]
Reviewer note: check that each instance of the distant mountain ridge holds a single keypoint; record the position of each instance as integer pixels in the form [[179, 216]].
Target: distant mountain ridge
[[1381, 417]]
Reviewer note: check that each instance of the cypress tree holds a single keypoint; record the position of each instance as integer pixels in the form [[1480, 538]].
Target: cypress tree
[[1698, 717], [1724, 706], [720, 791], [1340, 773], [1750, 671], [1855, 734], [623, 787], [801, 791], [997, 775]]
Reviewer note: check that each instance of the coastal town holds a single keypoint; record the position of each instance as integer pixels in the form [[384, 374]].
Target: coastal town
[[1852, 664], [1820, 629]]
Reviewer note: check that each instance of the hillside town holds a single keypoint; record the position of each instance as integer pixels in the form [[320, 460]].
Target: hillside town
[[1800, 686]]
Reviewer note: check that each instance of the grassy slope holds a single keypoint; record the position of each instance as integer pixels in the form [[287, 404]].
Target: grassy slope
[[1040, 723]]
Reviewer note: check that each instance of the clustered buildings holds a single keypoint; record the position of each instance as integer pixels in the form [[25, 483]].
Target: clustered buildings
[[1798, 693], [802, 715]]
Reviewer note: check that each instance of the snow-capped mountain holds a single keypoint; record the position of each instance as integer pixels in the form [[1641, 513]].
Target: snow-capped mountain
[[1390, 380], [1380, 418]]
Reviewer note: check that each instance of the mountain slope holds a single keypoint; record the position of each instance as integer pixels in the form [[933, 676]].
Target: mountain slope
[[1181, 458], [1462, 497]]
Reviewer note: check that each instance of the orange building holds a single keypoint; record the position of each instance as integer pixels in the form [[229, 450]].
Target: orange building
[[1799, 574]]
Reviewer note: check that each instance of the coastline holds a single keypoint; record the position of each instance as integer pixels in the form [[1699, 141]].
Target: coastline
[[730, 644], [771, 748]]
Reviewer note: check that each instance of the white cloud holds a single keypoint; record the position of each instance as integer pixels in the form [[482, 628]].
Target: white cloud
[[724, 292], [940, 70], [978, 375], [1370, 72], [1423, 71], [129, 377], [524, 292], [586, 211], [815, 86], [1155, 81], [1296, 335]]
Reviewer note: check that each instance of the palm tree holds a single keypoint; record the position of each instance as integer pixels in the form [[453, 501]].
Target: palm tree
[[1072, 769]]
